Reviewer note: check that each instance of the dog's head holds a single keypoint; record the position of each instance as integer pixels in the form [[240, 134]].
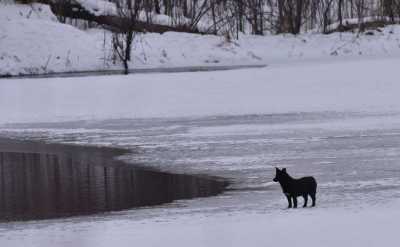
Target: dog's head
[[279, 174]]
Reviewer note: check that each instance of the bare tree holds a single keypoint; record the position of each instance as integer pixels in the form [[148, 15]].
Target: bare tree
[[122, 39]]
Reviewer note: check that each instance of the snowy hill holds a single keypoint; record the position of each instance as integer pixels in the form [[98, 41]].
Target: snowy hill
[[32, 41]]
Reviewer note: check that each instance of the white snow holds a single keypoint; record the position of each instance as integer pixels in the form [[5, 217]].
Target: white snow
[[98, 7], [32, 41], [34, 11], [330, 227], [365, 85]]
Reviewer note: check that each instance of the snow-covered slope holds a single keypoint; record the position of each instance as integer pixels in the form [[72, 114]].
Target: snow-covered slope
[[32, 41], [35, 11]]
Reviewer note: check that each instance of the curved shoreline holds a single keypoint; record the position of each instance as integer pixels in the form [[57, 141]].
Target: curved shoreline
[[43, 181], [85, 73]]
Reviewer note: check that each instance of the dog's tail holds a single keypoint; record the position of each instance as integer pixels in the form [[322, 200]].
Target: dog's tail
[[314, 185]]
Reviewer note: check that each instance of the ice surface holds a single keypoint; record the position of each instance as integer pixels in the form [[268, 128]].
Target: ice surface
[[333, 86], [349, 141], [356, 167]]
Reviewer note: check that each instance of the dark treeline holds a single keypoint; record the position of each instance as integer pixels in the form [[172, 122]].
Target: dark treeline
[[271, 16], [260, 17]]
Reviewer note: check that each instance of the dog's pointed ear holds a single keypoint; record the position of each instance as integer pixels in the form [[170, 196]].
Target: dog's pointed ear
[[284, 170], [276, 168]]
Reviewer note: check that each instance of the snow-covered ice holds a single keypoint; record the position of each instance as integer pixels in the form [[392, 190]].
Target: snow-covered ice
[[336, 120], [339, 227], [356, 167], [334, 86]]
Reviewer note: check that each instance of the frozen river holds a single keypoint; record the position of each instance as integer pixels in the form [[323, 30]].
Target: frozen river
[[338, 121], [354, 156]]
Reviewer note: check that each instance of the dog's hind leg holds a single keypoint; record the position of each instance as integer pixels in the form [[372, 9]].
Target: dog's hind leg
[[294, 202], [305, 200], [289, 201], [313, 199]]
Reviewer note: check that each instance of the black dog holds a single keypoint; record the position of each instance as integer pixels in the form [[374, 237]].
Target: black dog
[[293, 188]]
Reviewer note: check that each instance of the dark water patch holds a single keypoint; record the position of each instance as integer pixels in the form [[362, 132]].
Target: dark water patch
[[40, 181]]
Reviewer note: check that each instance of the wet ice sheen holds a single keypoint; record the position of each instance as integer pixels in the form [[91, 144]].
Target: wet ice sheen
[[40, 181]]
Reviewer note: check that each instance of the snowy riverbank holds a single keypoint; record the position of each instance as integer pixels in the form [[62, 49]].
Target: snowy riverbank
[[32, 41]]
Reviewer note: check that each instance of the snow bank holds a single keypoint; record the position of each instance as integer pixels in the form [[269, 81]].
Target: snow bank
[[365, 85], [36, 47], [312, 46], [355, 21], [42, 45], [35, 11], [34, 42]]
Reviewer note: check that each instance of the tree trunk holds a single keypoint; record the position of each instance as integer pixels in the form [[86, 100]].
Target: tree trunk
[[340, 16], [299, 15]]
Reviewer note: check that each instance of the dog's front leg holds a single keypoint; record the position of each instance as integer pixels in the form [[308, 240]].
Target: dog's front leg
[[289, 200]]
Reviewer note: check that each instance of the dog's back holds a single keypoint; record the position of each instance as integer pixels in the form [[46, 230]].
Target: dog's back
[[305, 185]]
